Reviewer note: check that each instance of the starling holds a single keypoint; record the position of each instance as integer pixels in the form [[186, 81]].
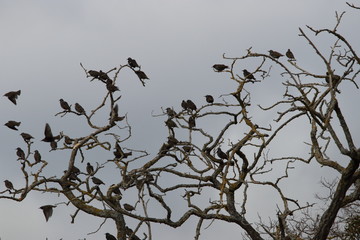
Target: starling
[[191, 105], [94, 74], [114, 114], [209, 99], [128, 207], [290, 55], [141, 74], [103, 76], [116, 190], [8, 184], [248, 75], [275, 54], [172, 141], [64, 105], [27, 137], [53, 145], [132, 63], [20, 153], [37, 156], [48, 134], [97, 181], [75, 170], [192, 122], [12, 124], [221, 154], [219, 67], [68, 140], [170, 123], [170, 112], [184, 105], [79, 109], [47, 210], [12, 96], [119, 153], [89, 169], [110, 86], [110, 237]]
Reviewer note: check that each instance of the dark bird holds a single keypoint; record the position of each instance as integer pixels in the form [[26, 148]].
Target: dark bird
[[221, 154], [94, 74], [115, 189], [191, 105], [89, 169], [290, 55], [12, 96], [97, 181], [184, 105], [53, 145], [219, 67], [248, 75], [79, 108], [128, 207], [192, 122], [119, 153], [20, 153], [132, 63], [209, 99], [109, 236], [170, 123], [170, 112], [8, 184], [103, 76], [27, 137], [49, 137], [37, 156], [141, 74], [68, 140], [47, 210], [275, 54], [172, 141], [335, 80], [64, 105], [12, 124], [110, 86]]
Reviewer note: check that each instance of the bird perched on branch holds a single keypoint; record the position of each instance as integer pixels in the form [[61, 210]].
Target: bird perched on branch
[[110, 86], [248, 75], [192, 122], [97, 181], [64, 105], [13, 95], [170, 123], [79, 109], [221, 154], [219, 67], [191, 105], [20, 153], [89, 169], [109, 236], [47, 210], [132, 63], [8, 184], [12, 124], [170, 112], [275, 54], [290, 55], [37, 156], [184, 105], [128, 207], [27, 137], [209, 99]]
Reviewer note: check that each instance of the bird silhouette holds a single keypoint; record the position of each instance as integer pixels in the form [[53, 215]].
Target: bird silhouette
[[12, 124], [110, 86], [209, 99], [219, 67], [221, 154], [27, 137], [20, 153], [47, 210], [97, 181], [94, 74], [141, 74], [89, 169], [184, 105], [49, 137], [248, 75], [192, 122], [8, 184], [64, 105], [37, 156], [290, 55], [128, 207], [79, 109], [170, 112], [170, 123], [13, 95], [275, 54], [109, 236], [132, 63], [191, 105]]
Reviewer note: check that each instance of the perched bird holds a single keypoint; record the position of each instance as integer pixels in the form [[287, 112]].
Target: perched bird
[[12, 124], [141, 74], [8, 184], [49, 137], [115, 189], [172, 141], [64, 105], [94, 74], [335, 80], [68, 140], [37, 156], [20, 153], [53, 145], [219, 67], [103, 76], [209, 99], [79, 109], [97, 181], [89, 169], [248, 75], [27, 137], [119, 153], [132, 63], [290, 55], [128, 207], [275, 54], [109, 236], [12, 96], [191, 105], [47, 210], [170, 123], [110, 86], [192, 122], [170, 112], [221, 154], [184, 105]]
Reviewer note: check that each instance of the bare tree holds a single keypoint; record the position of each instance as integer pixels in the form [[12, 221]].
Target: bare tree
[[211, 170]]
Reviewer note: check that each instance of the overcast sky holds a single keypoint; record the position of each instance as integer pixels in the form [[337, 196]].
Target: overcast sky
[[176, 42]]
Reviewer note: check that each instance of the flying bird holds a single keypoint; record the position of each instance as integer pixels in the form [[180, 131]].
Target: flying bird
[[47, 210], [12, 124], [37, 156], [219, 67], [97, 181], [64, 105], [275, 54], [248, 75], [109, 236], [132, 63], [290, 55], [89, 169], [8, 184], [13, 95], [27, 137], [191, 105], [128, 207], [20, 153], [221, 154], [209, 99], [79, 109], [48, 134]]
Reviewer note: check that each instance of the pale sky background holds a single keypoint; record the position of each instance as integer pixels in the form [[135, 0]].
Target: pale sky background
[[176, 43]]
